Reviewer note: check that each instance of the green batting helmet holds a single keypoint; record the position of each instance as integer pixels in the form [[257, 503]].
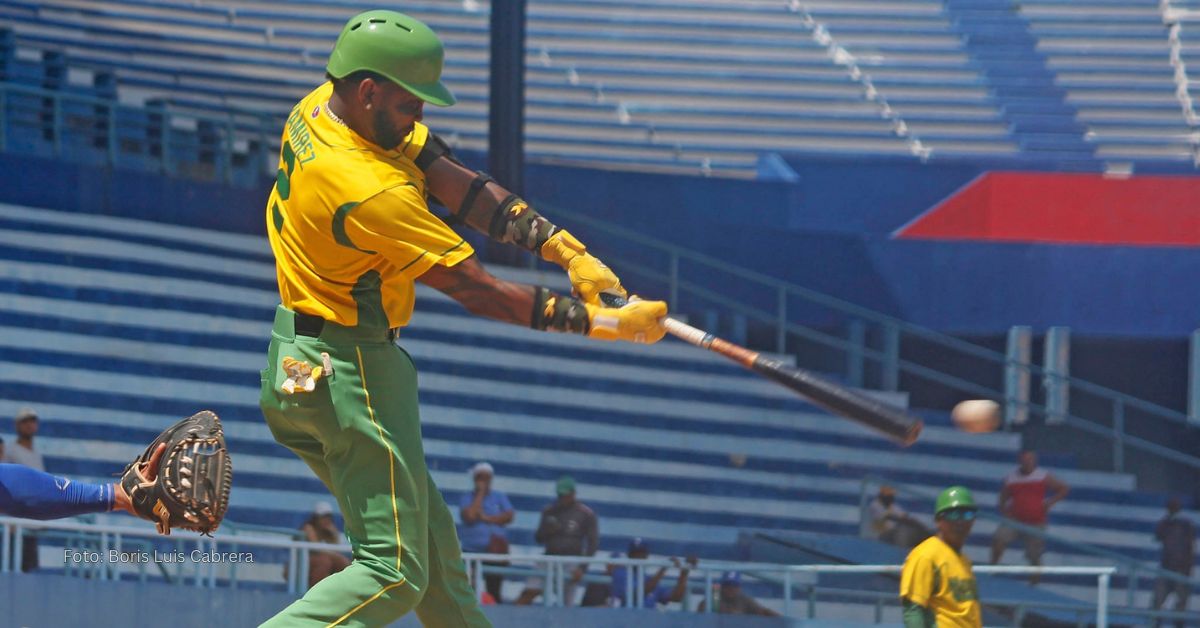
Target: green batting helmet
[[396, 46], [954, 497]]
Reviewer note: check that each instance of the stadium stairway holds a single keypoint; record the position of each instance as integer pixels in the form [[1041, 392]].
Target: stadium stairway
[[1113, 59], [113, 327], [1033, 105]]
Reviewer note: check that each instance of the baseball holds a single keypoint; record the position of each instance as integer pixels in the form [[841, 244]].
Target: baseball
[[976, 415]]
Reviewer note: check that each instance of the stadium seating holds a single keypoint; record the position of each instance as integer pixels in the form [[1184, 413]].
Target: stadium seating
[[702, 85], [111, 327], [1113, 60], [667, 444]]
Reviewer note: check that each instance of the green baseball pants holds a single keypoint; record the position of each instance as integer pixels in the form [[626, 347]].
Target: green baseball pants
[[359, 431]]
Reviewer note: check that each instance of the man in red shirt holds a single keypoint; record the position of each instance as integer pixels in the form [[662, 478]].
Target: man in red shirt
[[1024, 500]]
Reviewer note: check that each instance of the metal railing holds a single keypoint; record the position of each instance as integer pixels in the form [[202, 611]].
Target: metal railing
[[107, 550], [687, 279], [1132, 567], [788, 578], [159, 136]]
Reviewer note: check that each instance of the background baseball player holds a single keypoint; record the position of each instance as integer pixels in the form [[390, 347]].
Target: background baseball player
[[351, 233], [937, 586]]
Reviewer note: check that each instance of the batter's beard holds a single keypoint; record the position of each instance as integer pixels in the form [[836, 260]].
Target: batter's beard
[[387, 136]]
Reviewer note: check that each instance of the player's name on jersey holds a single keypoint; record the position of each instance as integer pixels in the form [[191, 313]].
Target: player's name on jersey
[[77, 556]]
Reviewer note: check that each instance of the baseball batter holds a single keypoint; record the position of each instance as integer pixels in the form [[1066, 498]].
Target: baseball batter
[[351, 232], [937, 585]]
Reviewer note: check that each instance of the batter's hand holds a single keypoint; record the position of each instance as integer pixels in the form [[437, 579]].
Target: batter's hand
[[589, 276], [636, 321]]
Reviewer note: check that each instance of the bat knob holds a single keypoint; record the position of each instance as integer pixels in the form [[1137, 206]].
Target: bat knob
[[913, 433]]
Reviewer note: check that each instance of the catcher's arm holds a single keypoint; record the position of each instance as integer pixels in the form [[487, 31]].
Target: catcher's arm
[[486, 295], [484, 205], [34, 494]]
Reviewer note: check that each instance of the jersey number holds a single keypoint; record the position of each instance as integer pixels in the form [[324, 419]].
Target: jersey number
[[283, 184], [283, 179]]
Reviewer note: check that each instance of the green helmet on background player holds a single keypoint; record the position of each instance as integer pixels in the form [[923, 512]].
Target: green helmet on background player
[[954, 497], [401, 48]]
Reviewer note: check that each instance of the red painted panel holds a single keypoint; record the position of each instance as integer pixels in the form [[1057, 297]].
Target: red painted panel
[[1067, 208]]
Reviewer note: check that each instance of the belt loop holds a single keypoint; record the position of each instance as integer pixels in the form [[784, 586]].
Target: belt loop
[[285, 324]]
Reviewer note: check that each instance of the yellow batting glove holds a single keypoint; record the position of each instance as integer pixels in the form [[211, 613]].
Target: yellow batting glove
[[636, 321], [561, 248], [589, 276]]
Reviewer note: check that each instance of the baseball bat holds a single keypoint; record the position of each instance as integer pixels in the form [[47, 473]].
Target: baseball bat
[[840, 400]]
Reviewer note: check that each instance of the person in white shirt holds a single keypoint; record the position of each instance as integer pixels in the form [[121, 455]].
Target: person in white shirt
[[22, 451]]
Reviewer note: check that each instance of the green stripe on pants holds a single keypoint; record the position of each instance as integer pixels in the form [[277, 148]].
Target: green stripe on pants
[[360, 432]]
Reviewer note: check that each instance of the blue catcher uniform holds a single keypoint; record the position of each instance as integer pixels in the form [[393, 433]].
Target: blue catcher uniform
[[33, 494]]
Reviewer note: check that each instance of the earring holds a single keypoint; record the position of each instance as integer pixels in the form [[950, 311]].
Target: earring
[[368, 105]]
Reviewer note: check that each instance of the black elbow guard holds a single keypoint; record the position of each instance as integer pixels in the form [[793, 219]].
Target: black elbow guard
[[434, 147]]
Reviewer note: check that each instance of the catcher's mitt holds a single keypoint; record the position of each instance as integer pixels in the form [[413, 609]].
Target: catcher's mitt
[[191, 489]]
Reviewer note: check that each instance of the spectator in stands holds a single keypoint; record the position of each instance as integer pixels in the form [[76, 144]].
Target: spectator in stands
[[937, 585], [23, 453], [890, 523], [485, 512], [731, 600], [320, 528], [1024, 500], [652, 594], [567, 528], [1178, 537], [1, 450]]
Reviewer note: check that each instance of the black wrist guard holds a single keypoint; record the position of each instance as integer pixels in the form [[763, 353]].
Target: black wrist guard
[[553, 312]]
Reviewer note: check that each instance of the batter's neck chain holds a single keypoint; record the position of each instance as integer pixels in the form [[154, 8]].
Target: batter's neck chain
[[333, 116]]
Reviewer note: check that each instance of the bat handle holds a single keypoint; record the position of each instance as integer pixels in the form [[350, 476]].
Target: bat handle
[[676, 328]]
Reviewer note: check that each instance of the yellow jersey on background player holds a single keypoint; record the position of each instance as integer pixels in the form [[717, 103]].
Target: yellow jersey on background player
[[937, 585], [348, 220], [940, 579]]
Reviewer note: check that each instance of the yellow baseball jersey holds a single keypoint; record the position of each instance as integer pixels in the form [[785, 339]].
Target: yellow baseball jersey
[[348, 221], [940, 579]]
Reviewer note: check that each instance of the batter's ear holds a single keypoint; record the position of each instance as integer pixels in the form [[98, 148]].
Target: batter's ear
[[367, 91]]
